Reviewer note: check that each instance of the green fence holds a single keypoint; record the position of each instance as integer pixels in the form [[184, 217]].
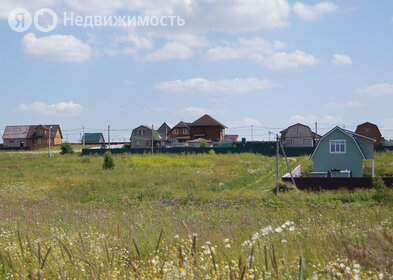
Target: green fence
[[264, 148]]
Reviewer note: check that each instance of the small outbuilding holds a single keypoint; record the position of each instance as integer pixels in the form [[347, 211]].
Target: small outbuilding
[[93, 138], [342, 151]]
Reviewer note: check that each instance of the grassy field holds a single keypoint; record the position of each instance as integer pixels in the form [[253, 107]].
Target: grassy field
[[184, 217]]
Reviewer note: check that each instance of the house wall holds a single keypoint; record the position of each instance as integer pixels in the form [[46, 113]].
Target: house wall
[[14, 143], [181, 134], [144, 139], [325, 161], [299, 136], [213, 133]]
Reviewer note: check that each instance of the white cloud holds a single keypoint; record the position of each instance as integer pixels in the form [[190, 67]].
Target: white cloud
[[341, 59], [246, 121], [57, 47], [310, 13], [62, 109], [193, 111], [203, 85], [268, 54], [377, 89], [283, 60], [311, 119], [349, 104], [171, 50]]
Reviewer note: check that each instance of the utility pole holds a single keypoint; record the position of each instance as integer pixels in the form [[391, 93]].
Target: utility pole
[[316, 128], [109, 136], [277, 161], [49, 154], [152, 140], [83, 136], [252, 133]]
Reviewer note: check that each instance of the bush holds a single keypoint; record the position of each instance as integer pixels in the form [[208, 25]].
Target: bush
[[382, 193], [66, 148], [109, 162]]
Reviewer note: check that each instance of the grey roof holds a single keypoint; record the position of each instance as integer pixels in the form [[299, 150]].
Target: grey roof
[[16, 132]]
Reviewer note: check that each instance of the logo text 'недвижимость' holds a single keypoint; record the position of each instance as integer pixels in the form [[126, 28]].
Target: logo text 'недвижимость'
[[46, 20]]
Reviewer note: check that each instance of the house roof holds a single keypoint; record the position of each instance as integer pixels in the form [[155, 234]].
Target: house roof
[[359, 127], [16, 132], [200, 140], [315, 135], [156, 135], [207, 120], [28, 131], [164, 128], [349, 133], [93, 137]]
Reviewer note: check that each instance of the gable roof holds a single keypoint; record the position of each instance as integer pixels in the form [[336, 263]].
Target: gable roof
[[93, 137], [164, 128], [349, 133], [16, 132], [28, 131], [207, 120]]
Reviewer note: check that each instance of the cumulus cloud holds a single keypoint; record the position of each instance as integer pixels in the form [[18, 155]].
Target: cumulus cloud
[[62, 109], [341, 59], [246, 121], [377, 89], [237, 85], [56, 47], [171, 50], [313, 12], [268, 54], [283, 60], [193, 111]]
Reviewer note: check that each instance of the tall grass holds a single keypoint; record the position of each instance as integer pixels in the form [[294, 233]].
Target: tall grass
[[181, 217]]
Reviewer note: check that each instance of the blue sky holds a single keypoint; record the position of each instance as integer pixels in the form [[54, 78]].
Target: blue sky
[[266, 63]]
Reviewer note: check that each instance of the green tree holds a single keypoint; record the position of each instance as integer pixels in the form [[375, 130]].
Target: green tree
[[109, 162], [66, 148]]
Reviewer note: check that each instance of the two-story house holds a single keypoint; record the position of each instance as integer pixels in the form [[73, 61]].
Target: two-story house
[[143, 136], [179, 134], [299, 135], [32, 136]]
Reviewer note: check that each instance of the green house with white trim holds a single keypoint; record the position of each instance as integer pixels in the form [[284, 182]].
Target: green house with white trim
[[341, 151]]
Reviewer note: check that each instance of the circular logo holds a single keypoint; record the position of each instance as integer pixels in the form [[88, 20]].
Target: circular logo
[[20, 20], [45, 20]]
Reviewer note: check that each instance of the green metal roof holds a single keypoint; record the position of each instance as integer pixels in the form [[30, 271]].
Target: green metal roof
[[94, 138]]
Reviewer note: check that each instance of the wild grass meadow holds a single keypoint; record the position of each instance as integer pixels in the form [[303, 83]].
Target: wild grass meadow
[[185, 217]]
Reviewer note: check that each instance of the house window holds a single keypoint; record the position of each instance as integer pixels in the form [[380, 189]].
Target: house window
[[175, 131], [338, 146], [137, 143], [40, 132], [306, 141], [148, 143], [185, 131], [39, 141]]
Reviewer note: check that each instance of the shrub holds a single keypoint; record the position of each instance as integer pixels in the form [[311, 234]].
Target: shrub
[[66, 148], [212, 152], [109, 162], [382, 193]]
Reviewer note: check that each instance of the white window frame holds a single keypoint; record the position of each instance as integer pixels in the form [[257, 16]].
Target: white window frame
[[185, 131], [337, 144], [176, 131]]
